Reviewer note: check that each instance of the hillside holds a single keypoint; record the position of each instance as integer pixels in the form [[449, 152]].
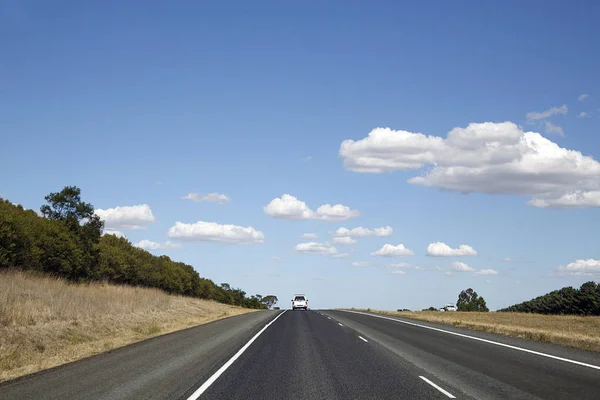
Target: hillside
[[45, 321], [67, 242], [567, 301]]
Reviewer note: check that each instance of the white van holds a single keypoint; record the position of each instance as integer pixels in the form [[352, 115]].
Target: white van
[[300, 302]]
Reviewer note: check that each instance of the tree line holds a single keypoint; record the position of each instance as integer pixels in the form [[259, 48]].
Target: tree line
[[568, 300], [66, 241]]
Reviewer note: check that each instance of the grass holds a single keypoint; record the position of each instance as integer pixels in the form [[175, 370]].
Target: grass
[[581, 332], [45, 322]]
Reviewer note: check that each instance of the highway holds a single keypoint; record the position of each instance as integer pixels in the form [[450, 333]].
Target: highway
[[321, 355]]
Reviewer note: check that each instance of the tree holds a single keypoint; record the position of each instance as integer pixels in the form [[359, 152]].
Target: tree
[[269, 301], [67, 206], [469, 300]]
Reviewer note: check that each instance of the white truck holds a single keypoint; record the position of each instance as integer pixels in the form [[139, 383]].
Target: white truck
[[448, 307], [299, 302]]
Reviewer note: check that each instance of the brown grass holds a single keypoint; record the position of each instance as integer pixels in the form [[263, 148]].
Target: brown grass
[[45, 322], [566, 330]]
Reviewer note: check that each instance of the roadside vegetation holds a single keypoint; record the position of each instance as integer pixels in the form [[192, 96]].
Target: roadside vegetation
[[568, 317], [47, 321], [580, 332], [66, 241]]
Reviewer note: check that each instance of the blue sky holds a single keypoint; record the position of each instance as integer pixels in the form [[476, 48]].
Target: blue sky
[[142, 104]]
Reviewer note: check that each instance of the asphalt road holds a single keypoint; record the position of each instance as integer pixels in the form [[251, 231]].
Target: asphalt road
[[321, 355]]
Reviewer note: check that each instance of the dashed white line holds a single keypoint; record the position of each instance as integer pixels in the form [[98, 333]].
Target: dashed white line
[[481, 340], [216, 375], [328, 317], [437, 387], [362, 338], [340, 324]]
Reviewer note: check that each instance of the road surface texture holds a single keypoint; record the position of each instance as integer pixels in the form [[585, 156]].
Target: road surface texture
[[321, 355]]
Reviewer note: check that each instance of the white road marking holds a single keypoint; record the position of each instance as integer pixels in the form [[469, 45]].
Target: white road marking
[[217, 374], [482, 340], [340, 324], [437, 387], [362, 338], [328, 317]]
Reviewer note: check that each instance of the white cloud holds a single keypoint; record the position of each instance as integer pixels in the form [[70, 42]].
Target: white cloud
[[487, 281], [212, 232], [492, 158], [361, 264], [398, 272], [150, 245], [316, 248], [535, 116], [441, 249], [589, 267], [276, 258], [217, 198], [114, 232], [344, 240], [576, 199], [389, 250], [398, 265], [461, 267], [341, 255], [307, 159], [448, 273], [309, 236], [506, 259], [488, 271], [583, 97], [289, 207], [583, 114], [126, 217], [551, 128], [360, 232]]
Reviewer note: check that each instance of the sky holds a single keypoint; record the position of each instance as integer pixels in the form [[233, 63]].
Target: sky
[[367, 154]]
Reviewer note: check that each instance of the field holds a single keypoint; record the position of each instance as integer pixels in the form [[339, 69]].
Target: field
[[45, 322], [565, 330]]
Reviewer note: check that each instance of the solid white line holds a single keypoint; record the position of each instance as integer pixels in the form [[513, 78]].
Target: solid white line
[[362, 338], [482, 340], [437, 387], [340, 324], [217, 374]]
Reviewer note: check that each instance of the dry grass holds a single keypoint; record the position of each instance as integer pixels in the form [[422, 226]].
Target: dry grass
[[45, 322], [566, 330]]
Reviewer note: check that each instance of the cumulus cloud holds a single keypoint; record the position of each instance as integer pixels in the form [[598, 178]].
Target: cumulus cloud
[[361, 264], [461, 267], [316, 248], [389, 250], [309, 236], [289, 207], [492, 158], [212, 232], [217, 198], [583, 97], [441, 249], [589, 267], [126, 217], [488, 271], [344, 240], [583, 114], [398, 272], [150, 245], [551, 128], [361, 232], [535, 116], [114, 232]]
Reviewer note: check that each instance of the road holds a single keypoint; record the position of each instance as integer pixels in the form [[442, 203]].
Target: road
[[321, 355]]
